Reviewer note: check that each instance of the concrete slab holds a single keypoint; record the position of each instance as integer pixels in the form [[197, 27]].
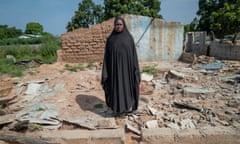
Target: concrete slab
[[206, 135], [105, 136]]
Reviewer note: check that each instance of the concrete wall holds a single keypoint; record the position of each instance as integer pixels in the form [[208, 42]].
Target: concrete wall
[[199, 44], [155, 40], [224, 51], [196, 43]]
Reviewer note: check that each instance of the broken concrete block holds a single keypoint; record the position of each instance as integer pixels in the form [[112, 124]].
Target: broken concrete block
[[195, 92], [177, 74], [187, 123], [173, 126], [146, 77], [133, 129], [152, 110], [107, 123], [152, 124]]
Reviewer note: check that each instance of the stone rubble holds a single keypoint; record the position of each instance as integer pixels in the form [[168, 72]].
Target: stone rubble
[[177, 98]]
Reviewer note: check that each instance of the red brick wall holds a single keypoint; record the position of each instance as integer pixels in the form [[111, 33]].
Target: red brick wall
[[85, 44]]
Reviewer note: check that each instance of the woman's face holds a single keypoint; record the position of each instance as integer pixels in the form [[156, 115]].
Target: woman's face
[[119, 26]]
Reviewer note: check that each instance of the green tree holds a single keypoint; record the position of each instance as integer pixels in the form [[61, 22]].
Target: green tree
[[192, 26], [206, 7], [33, 28], [220, 16], [115, 8], [88, 14], [9, 32], [226, 20]]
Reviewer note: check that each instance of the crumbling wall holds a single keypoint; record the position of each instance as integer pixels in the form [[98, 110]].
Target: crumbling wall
[[196, 43], [225, 51], [155, 40], [200, 44], [85, 44]]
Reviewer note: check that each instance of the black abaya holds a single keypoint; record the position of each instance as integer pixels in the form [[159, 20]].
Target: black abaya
[[120, 72]]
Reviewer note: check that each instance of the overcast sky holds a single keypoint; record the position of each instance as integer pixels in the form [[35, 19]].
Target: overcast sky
[[54, 14]]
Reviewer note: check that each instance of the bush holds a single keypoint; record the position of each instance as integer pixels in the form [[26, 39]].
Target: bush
[[150, 70], [46, 52]]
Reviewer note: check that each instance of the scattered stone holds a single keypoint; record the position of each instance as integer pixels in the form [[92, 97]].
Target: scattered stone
[[133, 129], [187, 123], [146, 88], [146, 77], [177, 74], [152, 110], [196, 92], [107, 123], [83, 122], [152, 124], [173, 126], [6, 119]]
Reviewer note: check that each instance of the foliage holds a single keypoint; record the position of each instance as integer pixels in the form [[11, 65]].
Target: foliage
[[15, 41], [34, 127], [115, 8], [192, 26], [8, 67], [9, 32], [48, 49], [74, 68], [150, 69], [226, 20], [220, 16], [89, 64], [88, 14], [34, 28], [45, 52]]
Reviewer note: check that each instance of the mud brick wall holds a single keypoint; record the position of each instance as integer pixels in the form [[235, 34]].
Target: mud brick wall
[[85, 44]]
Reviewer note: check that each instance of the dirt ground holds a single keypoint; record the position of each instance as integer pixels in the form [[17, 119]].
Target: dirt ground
[[81, 96]]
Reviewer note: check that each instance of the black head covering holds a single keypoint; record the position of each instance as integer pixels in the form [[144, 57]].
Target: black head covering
[[125, 29]]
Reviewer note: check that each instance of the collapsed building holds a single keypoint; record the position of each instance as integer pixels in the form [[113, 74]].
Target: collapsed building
[[182, 103]]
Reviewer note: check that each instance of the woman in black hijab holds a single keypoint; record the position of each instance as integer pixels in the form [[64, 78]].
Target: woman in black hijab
[[120, 71]]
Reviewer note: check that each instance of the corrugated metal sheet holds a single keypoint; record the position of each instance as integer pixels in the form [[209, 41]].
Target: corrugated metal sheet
[[156, 39]]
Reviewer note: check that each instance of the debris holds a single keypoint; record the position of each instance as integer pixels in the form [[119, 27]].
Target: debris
[[173, 126], [194, 91], [146, 77], [213, 66], [133, 129], [152, 110], [177, 74], [83, 122], [6, 99], [187, 123], [158, 84], [188, 57], [187, 106], [6, 119], [146, 88], [40, 113], [107, 123], [13, 137], [152, 124]]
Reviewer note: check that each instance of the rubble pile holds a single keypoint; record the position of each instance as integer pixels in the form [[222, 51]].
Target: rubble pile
[[206, 94], [180, 96]]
